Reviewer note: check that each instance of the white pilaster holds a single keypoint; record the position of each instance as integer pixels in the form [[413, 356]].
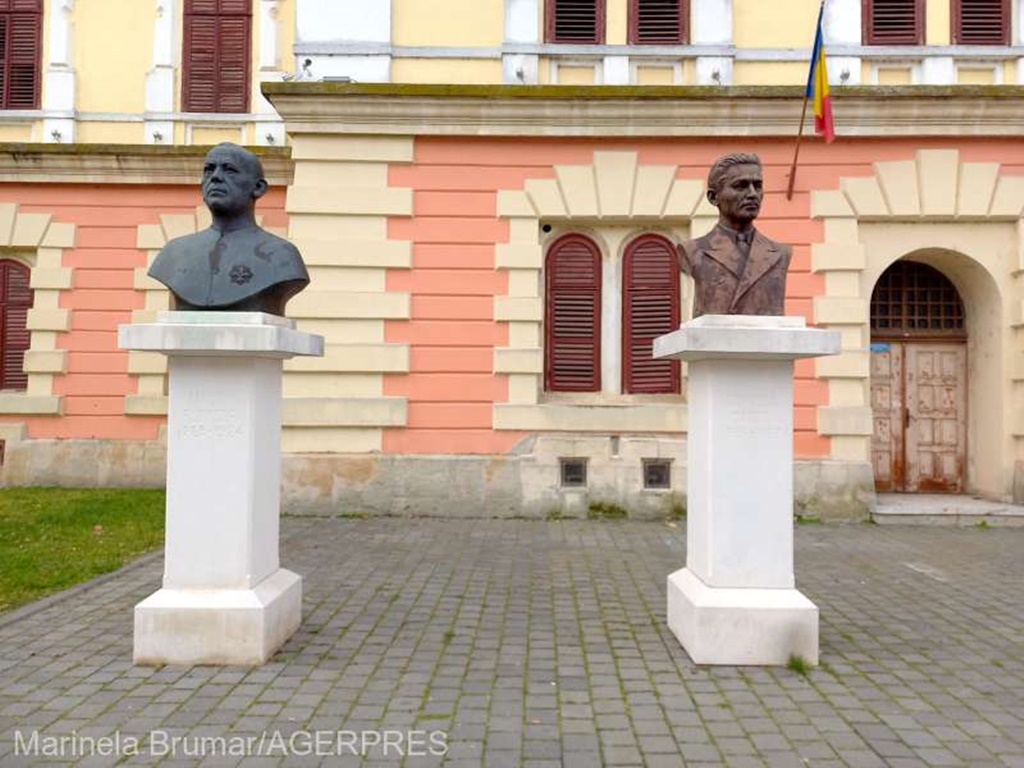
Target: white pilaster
[[59, 82], [712, 25], [522, 21], [616, 70], [714, 70], [843, 28], [269, 127], [160, 80], [938, 70], [354, 21], [522, 25], [1019, 37], [735, 601]]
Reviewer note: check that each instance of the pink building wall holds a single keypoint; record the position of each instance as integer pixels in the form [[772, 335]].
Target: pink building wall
[[103, 262], [452, 333]]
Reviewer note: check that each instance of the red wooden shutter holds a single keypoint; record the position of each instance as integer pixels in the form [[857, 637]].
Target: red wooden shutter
[[575, 21], [658, 22], [981, 22], [216, 56], [21, 27], [894, 22], [650, 308], [15, 302], [572, 349]]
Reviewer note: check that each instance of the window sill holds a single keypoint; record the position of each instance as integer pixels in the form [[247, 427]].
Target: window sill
[[661, 416]]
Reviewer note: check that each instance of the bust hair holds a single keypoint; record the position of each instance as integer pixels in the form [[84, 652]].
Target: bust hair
[[724, 163]]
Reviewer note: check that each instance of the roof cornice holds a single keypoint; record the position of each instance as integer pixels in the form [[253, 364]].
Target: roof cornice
[[123, 163], [640, 111]]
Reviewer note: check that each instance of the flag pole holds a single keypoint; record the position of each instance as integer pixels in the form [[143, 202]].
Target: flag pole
[[803, 117], [796, 150]]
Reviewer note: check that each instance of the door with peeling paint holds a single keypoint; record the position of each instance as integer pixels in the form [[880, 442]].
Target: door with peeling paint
[[918, 403], [918, 382]]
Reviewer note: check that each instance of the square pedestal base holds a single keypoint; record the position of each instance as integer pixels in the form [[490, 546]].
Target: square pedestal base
[[218, 626], [741, 626]]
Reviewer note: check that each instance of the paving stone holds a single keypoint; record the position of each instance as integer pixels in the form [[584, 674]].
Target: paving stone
[[559, 655]]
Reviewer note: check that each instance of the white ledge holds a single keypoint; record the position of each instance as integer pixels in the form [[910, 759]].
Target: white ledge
[[221, 333], [746, 337]]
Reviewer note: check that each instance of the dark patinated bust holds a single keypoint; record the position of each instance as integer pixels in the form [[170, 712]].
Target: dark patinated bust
[[234, 266], [735, 269]]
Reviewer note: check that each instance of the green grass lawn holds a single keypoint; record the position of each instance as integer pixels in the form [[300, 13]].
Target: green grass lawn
[[54, 538]]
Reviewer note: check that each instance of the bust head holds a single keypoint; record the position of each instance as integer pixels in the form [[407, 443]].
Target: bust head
[[233, 181], [234, 265], [736, 188]]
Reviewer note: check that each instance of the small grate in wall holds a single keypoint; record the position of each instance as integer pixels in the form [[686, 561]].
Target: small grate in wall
[[657, 473], [573, 473]]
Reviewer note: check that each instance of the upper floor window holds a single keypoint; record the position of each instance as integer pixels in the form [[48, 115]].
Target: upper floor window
[[658, 22], [15, 302], [21, 25], [575, 21], [981, 22], [215, 58], [894, 22]]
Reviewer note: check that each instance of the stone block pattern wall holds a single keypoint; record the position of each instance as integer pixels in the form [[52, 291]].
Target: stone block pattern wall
[[476, 298], [93, 287]]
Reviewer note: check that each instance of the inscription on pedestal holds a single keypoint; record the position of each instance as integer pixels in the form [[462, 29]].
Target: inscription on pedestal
[[209, 417]]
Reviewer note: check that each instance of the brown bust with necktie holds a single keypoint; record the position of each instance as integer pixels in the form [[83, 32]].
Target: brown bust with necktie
[[735, 269]]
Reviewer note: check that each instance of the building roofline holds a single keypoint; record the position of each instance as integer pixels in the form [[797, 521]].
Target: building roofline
[[124, 163], [635, 111]]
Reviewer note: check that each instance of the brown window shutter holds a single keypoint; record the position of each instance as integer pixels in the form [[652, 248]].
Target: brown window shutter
[[21, 26], [650, 308], [572, 349], [981, 22], [215, 71], [15, 302], [575, 21], [894, 22], [658, 22]]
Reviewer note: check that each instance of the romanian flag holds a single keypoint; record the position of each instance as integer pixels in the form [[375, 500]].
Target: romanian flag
[[817, 85]]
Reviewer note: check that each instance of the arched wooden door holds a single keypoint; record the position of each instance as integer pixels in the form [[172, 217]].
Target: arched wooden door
[[918, 381]]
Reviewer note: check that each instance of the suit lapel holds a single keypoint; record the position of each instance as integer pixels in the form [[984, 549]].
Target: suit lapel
[[763, 256], [723, 250]]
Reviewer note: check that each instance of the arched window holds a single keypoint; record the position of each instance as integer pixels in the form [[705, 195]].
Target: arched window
[[15, 302], [572, 322], [913, 299], [650, 308]]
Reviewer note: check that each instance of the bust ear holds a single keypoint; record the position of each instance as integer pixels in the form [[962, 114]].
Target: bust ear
[[712, 198], [260, 189]]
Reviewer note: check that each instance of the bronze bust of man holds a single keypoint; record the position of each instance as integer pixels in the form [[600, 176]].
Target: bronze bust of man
[[735, 269], [234, 266]]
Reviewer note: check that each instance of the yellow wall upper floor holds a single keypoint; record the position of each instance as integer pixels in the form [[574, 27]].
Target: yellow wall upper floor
[[111, 70]]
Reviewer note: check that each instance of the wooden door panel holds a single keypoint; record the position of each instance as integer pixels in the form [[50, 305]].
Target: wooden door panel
[[887, 415], [936, 416]]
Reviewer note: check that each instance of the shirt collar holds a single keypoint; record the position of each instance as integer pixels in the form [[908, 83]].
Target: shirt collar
[[733, 235]]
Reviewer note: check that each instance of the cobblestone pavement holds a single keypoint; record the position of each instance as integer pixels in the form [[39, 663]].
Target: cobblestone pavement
[[517, 643]]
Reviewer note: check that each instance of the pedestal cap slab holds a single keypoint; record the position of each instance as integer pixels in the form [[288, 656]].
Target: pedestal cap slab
[[251, 334], [746, 337]]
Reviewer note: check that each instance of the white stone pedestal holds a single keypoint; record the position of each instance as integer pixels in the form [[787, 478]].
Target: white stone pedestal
[[225, 598], [735, 601]]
